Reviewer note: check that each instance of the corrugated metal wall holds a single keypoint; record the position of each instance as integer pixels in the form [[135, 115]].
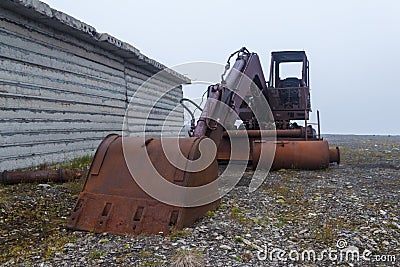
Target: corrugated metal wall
[[61, 94]]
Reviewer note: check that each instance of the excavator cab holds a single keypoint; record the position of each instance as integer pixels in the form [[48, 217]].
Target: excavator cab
[[289, 97]]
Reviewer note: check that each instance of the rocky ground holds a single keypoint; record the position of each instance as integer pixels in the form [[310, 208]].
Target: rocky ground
[[351, 206]]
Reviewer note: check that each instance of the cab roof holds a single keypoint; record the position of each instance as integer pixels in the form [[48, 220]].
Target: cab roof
[[289, 56]]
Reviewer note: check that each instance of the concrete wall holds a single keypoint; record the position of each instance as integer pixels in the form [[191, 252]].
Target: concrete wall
[[64, 87]]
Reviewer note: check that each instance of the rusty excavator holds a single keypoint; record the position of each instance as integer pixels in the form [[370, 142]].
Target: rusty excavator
[[122, 193]]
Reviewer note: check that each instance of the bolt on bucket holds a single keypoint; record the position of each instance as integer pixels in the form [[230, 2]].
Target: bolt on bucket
[[116, 196]]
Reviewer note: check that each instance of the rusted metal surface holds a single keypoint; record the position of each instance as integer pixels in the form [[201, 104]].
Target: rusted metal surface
[[289, 98], [289, 153], [309, 155], [334, 155], [112, 201], [224, 151], [289, 103], [292, 133], [246, 65], [8, 178]]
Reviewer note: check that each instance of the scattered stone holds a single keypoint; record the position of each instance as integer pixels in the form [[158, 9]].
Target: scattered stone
[[181, 241], [225, 247], [303, 231], [69, 245], [316, 212], [44, 185], [396, 225], [220, 237]]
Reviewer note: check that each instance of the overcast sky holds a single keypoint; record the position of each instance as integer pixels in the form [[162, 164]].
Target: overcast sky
[[353, 46]]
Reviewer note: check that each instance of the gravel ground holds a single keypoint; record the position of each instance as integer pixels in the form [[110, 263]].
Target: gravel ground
[[351, 206]]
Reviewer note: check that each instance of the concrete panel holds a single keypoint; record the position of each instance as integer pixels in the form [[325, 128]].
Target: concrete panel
[[64, 87]]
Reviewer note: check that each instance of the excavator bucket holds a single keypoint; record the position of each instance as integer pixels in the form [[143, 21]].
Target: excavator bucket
[[112, 200]]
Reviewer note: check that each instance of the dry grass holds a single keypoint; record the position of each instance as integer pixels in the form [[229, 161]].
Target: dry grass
[[175, 233], [240, 215], [188, 258], [327, 233], [33, 218]]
